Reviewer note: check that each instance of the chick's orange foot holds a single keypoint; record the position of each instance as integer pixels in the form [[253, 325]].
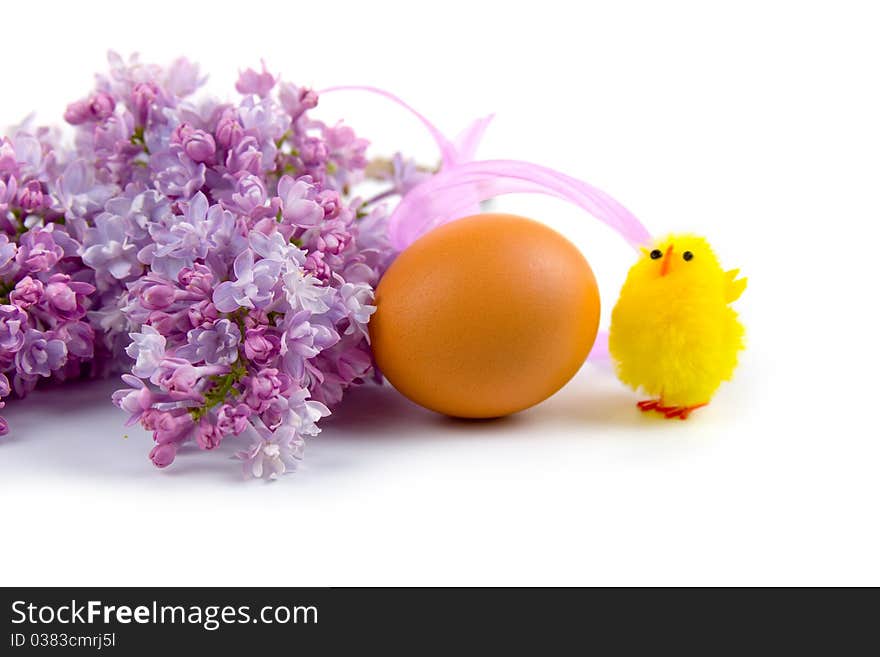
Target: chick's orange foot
[[669, 412]]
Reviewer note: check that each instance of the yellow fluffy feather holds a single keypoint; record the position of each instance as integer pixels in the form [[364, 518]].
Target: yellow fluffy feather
[[673, 333]]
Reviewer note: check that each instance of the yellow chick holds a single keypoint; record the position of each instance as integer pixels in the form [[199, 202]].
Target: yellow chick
[[673, 333]]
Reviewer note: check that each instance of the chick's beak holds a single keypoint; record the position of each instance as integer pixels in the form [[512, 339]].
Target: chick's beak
[[667, 258]]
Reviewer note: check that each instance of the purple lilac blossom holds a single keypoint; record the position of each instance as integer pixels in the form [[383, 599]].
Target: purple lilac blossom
[[48, 195], [107, 247], [210, 250], [250, 310], [217, 345], [40, 354]]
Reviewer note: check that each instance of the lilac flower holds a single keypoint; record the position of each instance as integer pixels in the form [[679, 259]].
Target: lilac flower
[[179, 376], [297, 205], [271, 453], [96, 108], [254, 285], [8, 251], [263, 388], [296, 101], [332, 238], [31, 197], [202, 313], [135, 400], [101, 105], [236, 295], [176, 375], [179, 241], [8, 192], [314, 152], [316, 264], [27, 292], [107, 247], [233, 419], [406, 175], [79, 338], [251, 199], [198, 279], [346, 152], [183, 77], [251, 82], [199, 146], [304, 413], [40, 354], [226, 237], [25, 156], [176, 173], [266, 121], [64, 299], [143, 97], [163, 455], [139, 399], [217, 345], [29, 154], [8, 159], [77, 191], [352, 362], [303, 340], [111, 139], [331, 203], [298, 345], [78, 112], [262, 345], [356, 299], [170, 427], [228, 131], [156, 294], [274, 247], [37, 250], [333, 370], [245, 157], [305, 292], [13, 323], [148, 350], [207, 434], [167, 323], [140, 211]]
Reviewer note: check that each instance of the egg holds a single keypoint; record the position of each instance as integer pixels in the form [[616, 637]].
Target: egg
[[485, 316]]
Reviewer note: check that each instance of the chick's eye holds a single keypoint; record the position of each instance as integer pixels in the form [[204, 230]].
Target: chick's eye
[[656, 253], [688, 256]]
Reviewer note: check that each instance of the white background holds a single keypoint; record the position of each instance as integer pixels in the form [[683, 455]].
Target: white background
[[754, 123]]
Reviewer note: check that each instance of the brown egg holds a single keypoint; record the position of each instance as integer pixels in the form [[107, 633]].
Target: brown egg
[[485, 316]]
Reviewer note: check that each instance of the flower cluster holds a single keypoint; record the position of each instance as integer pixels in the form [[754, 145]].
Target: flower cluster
[[214, 248], [235, 254], [47, 293]]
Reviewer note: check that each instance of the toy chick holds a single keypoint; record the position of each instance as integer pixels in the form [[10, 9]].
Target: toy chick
[[673, 333]]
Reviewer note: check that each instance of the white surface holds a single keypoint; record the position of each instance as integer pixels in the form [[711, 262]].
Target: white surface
[[755, 123]]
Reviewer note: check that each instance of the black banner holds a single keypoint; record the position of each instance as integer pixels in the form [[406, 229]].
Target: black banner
[[127, 621]]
